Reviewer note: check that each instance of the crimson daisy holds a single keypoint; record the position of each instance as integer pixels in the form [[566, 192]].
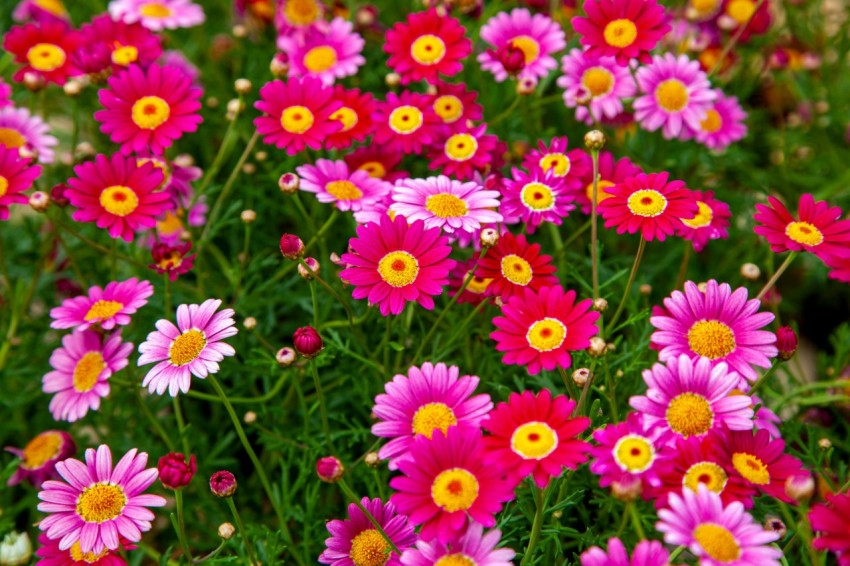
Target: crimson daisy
[[513, 264], [455, 105], [44, 49], [355, 115], [378, 161], [832, 521], [709, 223], [818, 227], [622, 28], [611, 172], [406, 123], [16, 176], [116, 44], [464, 153], [571, 165]]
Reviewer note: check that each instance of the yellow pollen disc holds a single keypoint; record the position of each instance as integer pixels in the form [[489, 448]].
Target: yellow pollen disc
[[598, 81], [369, 548], [301, 12], [804, 233], [449, 108], [751, 467], [620, 33], [741, 10], [171, 260], [709, 474], [347, 116], [187, 347], [461, 147], [428, 49], [101, 502], [477, 285], [41, 449], [150, 112], [558, 163], [516, 270], [690, 414], [647, 203], [77, 554], [125, 54], [537, 196], [398, 269], [406, 119], [46, 57], [717, 542], [672, 95], [704, 7], [296, 119], [344, 190], [87, 370], [375, 169], [529, 47], [711, 339], [320, 59], [601, 194], [634, 453], [431, 417], [712, 121], [155, 10], [546, 334], [702, 219], [55, 7], [454, 489], [169, 225], [534, 440], [446, 205], [455, 560], [4, 186], [11, 138], [102, 310], [119, 200]]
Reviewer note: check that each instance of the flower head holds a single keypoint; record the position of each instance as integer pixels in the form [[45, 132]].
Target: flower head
[[355, 115], [832, 522], [709, 223], [611, 172], [818, 227], [455, 106], [622, 28], [20, 129], [647, 553], [594, 85], [328, 54], [40, 455], [426, 46], [470, 547], [157, 15], [334, 182], [513, 264], [723, 123], [627, 451], [16, 176], [537, 36], [405, 123], [44, 49], [114, 44], [175, 471], [52, 555], [556, 158], [173, 260], [105, 307], [329, 469], [535, 197], [465, 152]]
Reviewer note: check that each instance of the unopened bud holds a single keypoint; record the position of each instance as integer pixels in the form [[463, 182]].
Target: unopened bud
[[702, 286], [242, 86], [28, 152], [57, 195], [240, 31], [72, 88], [786, 343], [249, 168], [39, 201], [286, 357], [289, 183], [800, 487], [626, 490], [250, 323], [226, 531], [261, 155], [526, 86], [279, 65], [211, 102], [775, 525], [309, 268], [594, 140], [248, 216], [372, 460], [291, 247], [489, 237], [33, 82], [223, 484], [235, 106], [250, 417], [308, 342], [580, 376], [184, 160], [597, 347], [645, 289], [392, 80], [750, 271], [84, 150], [600, 305], [825, 443], [329, 469]]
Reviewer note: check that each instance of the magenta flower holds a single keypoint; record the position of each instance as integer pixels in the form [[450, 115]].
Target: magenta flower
[[40, 455], [106, 307], [334, 182], [328, 54], [470, 547], [595, 86], [647, 553], [537, 36]]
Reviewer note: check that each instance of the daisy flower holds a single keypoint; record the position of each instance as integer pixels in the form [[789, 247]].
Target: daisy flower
[[476, 291], [172, 260], [193, 347], [472, 548], [539, 329], [428, 399], [355, 115], [535, 197], [718, 535], [99, 504], [818, 227], [594, 85], [20, 129], [753, 16], [537, 36], [455, 106], [106, 307], [5, 94], [464, 153], [40, 455], [356, 541], [723, 123], [647, 553], [44, 49], [405, 123], [393, 263], [52, 555], [628, 451], [839, 268], [16, 176], [622, 29], [379, 162], [157, 15], [611, 173], [82, 367], [327, 54], [513, 264], [121, 44], [426, 46], [718, 324], [297, 114], [446, 203], [41, 11], [148, 110], [709, 223], [562, 162], [332, 181], [533, 435], [446, 480], [831, 520], [297, 17]]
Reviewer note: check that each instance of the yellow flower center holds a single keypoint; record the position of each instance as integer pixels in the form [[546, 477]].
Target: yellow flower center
[[102, 310], [446, 205], [537, 196], [620, 33], [717, 542], [46, 57], [119, 200], [11, 138], [634, 453], [296, 119], [455, 489], [529, 47], [672, 95], [712, 121], [40, 449], [347, 116], [455, 560], [704, 7], [461, 147], [598, 81], [449, 108], [398, 269], [647, 203], [301, 12], [101, 502], [320, 59], [125, 54], [428, 49], [406, 119], [711, 339], [155, 10], [741, 10], [53, 6], [4, 186], [690, 414], [558, 163], [703, 217], [77, 554], [187, 347], [369, 548], [751, 467], [546, 334], [534, 440], [516, 270], [709, 474], [804, 233], [344, 190], [87, 371], [433, 416], [171, 260], [150, 112], [601, 194], [478, 285], [169, 225], [375, 169]]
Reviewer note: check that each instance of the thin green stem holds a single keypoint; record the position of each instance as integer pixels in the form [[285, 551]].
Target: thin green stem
[[579, 409], [167, 298], [323, 410], [594, 236], [356, 500], [507, 113], [683, 267], [536, 525], [218, 160], [573, 237], [260, 399], [676, 552], [636, 524], [632, 273], [249, 547], [181, 524], [732, 42], [770, 371], [568, 383], [157, 426], [181, 426], [315, 305], [772, 281]]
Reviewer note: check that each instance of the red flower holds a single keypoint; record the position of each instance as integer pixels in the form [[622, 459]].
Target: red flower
[[625, 29], [355, 115], [172, 259], [307, 342], [223, 484], [818, 228], [427, 46], [455, 105], [44, 49], [832, 520], [174, 471], [406, 123], [512, 264]]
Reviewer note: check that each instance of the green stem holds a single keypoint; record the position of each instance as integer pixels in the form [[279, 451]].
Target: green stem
[[167, 298], [243, 400], [729, 46], [636, 524], [573, 237], [315, 305], [772, 281], [568, 383], [181, 426], [323, 410], [683, 267], [354, 499], [249, 547], [157, 426], [536, 525], [770, 371], [578, 411], [594, 236], [676, 552], [507, 113], [218, 160], [181, 523], [632, 273]]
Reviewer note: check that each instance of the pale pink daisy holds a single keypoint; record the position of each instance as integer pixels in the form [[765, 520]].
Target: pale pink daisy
[[157, 15], [105, 307], [20, 129], [723, 123], [537, 36], [472, 547], [334, 182], [327, 54], [595, 86], [193, 347]]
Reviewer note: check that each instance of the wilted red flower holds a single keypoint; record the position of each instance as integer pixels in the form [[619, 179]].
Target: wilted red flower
[[172, 259]]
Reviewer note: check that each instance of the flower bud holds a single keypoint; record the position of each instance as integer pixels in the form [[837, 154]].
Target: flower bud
[[57, 195], [250, 323], [526, 86], [249, 168], [510, 56], [279, 65], [72, 88], [248, 216], [800, 487], [825, 443], [750, 271], [39, 201], [594, 140], [600, 304], [311, 269], [212, 102], [392, 80], [786, 343], [774, 524], [83, 150], [239, 31], [223, 484], [242, 86], [645, 289], [235, 106], [15, 549], [289, 183], [489, 237], [249, 418], [329, 469], [33, 82], [285, 357], [307, 341], [291, 247], [627, 490], [372, 460], [261, 155], [174, 471], [580, 376], [597, 347], [226, 531]]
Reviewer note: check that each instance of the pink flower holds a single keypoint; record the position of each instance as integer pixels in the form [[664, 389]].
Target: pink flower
[[595, 86], [334, 182], [647, 553], [157, 15], [20, 129], [628, 451], [818, 227], [426, 46], [470, 547], [106, 307], [328, 54], [16, 176], [537, 36], [723, 123], [624, 29], [709, 223], [535, 197], [40, 455], [405, 123], [832, 521]]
